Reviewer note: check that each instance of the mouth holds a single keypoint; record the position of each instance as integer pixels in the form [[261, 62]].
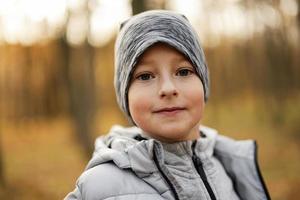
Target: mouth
[[169, 110]]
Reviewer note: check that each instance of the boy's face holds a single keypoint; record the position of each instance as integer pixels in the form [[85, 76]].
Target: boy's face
[[166, 97]]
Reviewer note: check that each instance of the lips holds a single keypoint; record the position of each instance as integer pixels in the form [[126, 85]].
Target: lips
[[169, 110]]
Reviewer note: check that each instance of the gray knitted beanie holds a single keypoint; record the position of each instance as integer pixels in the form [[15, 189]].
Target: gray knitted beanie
[[143, 30]]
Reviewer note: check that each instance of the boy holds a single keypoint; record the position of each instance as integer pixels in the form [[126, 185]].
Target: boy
[[161, 83]]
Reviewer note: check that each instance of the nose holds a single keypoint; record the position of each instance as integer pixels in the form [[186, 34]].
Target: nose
[[167, 88]]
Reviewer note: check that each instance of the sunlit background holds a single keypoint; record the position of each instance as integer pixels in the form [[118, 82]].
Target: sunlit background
[[28, 22], [57, 96]]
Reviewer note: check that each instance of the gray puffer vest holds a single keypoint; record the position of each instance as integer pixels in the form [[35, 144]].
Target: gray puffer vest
[[127, 165]]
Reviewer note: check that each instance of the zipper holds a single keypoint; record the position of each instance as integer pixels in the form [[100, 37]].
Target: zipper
[[164, 176], [199, 167]]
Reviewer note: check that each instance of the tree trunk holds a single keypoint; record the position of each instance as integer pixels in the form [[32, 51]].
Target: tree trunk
[[78, 70], [82, 93], [79, 73]]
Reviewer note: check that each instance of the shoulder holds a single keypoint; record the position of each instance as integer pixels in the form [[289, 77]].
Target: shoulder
[[226, 146], [107, 180], [103, 179], [243, 149]]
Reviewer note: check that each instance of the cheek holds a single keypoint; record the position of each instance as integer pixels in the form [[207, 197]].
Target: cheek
[[197, 101], [198, 109], [195, 96], [198, 98], [138, 104]]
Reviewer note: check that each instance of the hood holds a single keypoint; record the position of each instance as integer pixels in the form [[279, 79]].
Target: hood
[[131, 148]]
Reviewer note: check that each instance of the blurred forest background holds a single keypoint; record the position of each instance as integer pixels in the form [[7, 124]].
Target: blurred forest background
[[57, 96]]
